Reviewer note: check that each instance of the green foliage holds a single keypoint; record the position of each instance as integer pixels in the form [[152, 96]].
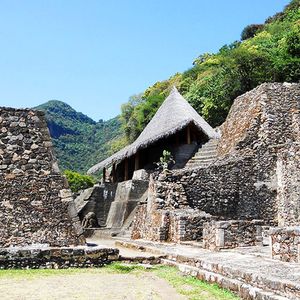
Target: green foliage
[[117, 144], [269, 52], [78, 181], [250, 31], [79, 141], [293, 42], [135, 115], [165, 160]]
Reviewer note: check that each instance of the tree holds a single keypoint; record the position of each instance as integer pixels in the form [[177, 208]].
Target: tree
[[250, 31]]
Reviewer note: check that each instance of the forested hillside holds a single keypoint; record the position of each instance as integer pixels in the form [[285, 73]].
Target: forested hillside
[[79, 141], [266, 52]]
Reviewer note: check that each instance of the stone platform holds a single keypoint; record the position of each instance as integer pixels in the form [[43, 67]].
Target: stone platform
[[248, 271], [44, 257], [96, 253]]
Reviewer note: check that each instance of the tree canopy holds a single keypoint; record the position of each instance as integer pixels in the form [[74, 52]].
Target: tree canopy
[[267, 52]]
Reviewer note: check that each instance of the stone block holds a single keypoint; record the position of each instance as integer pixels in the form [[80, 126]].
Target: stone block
[[230, 234], [285, 243]]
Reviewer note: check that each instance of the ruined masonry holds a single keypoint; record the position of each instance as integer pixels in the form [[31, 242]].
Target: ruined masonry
[[36, 205], [253, 182]]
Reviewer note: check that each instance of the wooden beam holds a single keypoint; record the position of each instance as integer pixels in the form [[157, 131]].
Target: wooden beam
[[104, 174], [113, 171], [188, 135], [137, 161], [177, 139], [126, 176]]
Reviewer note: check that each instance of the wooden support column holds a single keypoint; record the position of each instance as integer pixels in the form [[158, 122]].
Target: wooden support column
[[113, 171], [137, 161], [104, 174], [126, 176], [188, 135]]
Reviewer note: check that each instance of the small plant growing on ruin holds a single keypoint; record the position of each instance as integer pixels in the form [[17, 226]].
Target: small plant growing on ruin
[[165, 161]]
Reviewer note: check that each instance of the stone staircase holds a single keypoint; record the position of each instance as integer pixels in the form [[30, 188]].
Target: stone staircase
[[205, 156], [249, 273], [183, 154]]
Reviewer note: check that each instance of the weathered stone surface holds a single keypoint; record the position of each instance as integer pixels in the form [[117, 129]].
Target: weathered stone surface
[[288, 174], [247, 271], [285, 243], [56, 258], [219, 235], [166, 216], [34, 197], [256, 174], [96, 199]]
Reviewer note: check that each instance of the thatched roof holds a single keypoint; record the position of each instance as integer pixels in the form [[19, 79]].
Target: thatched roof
[[174, 114]]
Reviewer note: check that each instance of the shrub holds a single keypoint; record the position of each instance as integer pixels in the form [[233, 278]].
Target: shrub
[[293, 42], [165, 161], [78, 181]]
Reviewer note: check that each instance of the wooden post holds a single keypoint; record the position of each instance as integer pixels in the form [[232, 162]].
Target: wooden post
[[126, 177], [188, 133], [104, 174], [137, 161], [113, 171]]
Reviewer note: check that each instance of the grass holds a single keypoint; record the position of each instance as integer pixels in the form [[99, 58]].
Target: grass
[[191, 287]]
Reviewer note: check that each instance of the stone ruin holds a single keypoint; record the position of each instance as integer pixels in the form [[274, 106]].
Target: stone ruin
[[253, 182], [36, 205]]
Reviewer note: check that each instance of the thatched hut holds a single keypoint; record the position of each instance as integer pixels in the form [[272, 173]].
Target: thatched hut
[[175, 127]]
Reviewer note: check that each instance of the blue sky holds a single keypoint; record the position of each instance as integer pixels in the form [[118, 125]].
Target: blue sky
[[94, 54]]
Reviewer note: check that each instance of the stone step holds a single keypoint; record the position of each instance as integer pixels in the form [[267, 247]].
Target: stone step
[[206, 155], [245, 291], [208, 148], [198, 165], [212, 142], [203, 156], [199, 158], [206, 152], [250, 276]]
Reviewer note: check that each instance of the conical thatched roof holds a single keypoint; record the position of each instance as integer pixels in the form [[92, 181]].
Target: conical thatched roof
[[174, 114]]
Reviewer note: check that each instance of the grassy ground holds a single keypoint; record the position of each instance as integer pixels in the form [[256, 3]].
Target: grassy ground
[[187, 287]]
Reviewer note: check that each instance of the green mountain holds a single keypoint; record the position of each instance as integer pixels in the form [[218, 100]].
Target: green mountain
[[266, 52], [79, 141]]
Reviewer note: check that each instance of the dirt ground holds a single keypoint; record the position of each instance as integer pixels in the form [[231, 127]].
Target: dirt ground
[[88, 286]]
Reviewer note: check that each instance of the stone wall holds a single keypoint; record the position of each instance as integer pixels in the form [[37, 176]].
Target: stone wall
[[176, 222], [96, 199], [285, 243], [186, 225], [56, 258], [152, 226], [219, 235], [244, 181], [288, 198], [230, 189], [256, 174], [36, 205]]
